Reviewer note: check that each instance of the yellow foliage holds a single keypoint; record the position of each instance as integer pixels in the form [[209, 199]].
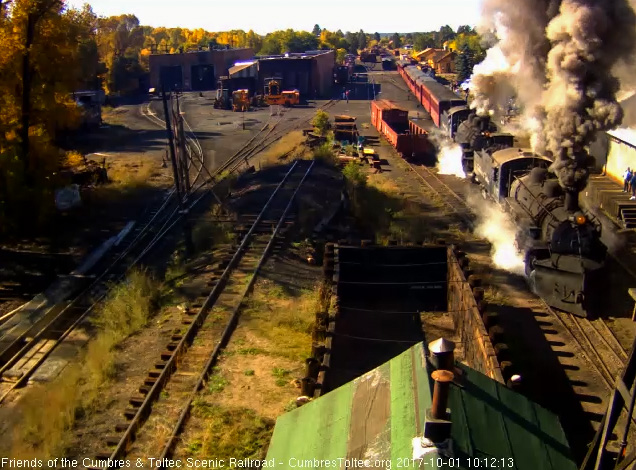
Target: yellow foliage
[[74, 159]]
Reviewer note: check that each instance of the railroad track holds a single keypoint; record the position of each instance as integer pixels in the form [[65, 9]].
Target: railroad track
[[452, 201], [597, 342], [167, 393], [594, 339], [25, 351], [28, 350]]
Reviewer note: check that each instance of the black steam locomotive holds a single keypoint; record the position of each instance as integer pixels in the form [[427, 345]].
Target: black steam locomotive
[[564, 255]]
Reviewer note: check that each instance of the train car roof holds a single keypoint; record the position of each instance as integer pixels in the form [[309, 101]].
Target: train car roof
[[457, 109], [502, 156], [441, 93]]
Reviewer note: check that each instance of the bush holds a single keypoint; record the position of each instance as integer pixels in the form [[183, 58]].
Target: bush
[[321, 122], [354, 175], [325, 153]]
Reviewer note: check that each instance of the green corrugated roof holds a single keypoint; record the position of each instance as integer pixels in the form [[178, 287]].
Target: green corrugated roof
[[376, 417]]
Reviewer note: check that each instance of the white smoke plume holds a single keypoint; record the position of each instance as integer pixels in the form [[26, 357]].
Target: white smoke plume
[[449, 154], [496, 226], [557, 58], [449, 161]]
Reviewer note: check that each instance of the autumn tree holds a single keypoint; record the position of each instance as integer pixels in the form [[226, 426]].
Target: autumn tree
[[36, 81]]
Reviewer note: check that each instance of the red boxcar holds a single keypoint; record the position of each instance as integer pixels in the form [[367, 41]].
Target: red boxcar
[[393, 123]]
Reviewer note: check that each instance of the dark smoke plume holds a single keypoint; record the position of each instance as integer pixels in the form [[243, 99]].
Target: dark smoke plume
[[559, 58]]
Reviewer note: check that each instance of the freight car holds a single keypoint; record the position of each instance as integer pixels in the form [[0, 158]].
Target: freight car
[[564, 255], [409, 139]]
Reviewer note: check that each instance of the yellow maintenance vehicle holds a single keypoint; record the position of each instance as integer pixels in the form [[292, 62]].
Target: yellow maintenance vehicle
[[241, 100], [275, 96]]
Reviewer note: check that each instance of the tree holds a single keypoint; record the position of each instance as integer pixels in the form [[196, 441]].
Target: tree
[[464, 29], [397, 42], [464, 63], [446, 33], [321, 122], [316, 31], [423, 41], [40, 65], [408, 38], [362, 40], [377, 36], [340, 55]]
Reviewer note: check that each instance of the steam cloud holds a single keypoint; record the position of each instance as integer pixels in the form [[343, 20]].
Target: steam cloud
[[495, 225], [449, 160], [559, 58], [449, 154]]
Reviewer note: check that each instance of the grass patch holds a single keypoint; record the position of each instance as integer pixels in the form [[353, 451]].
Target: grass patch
[[281, 375], [249, 372], [232, 432], [217, 382], [207, 233], [47, 412], [132, 176], [282, 318], [250, 351], [287, 148], [494, 296]]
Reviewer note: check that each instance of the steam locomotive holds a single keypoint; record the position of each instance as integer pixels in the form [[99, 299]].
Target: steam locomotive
[[564, 255]]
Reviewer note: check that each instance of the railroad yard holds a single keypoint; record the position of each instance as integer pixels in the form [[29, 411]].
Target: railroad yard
[[271, 283]]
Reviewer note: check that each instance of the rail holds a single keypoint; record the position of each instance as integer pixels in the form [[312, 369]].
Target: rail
[[171, 363]]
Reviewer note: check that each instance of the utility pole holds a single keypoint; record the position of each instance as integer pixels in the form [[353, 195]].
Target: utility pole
[[182, 149], [173, 157]]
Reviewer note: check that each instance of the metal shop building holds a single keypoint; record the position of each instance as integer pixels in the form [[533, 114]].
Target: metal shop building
[[194, 71], [309, 72]]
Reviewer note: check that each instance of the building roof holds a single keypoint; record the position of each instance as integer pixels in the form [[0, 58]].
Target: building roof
[[627, 136], [238, 68], [378, 415]]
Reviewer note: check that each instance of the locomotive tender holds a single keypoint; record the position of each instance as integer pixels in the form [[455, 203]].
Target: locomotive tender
[[564, 255]]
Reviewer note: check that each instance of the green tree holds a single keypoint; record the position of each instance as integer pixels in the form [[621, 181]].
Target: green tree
[[408, 38], [423, 41], [377, 36], [362, 40], [446, 33], [464, 63], [464, 29], [316, 31], [397, 42]]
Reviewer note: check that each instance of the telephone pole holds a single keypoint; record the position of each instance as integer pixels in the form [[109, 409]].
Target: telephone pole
[[173, 157]]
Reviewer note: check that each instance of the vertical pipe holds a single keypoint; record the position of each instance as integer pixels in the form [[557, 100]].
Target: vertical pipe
[[443, 379]]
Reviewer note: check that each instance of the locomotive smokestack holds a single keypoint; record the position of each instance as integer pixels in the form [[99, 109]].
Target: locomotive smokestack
[[572, 201]]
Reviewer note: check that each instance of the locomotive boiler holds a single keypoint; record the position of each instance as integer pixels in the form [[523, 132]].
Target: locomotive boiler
[[564, 255]]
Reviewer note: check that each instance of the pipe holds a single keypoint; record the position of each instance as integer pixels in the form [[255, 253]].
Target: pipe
[[443, 379]]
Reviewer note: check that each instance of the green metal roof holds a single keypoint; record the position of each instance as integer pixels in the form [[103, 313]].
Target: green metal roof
[[376, 416]]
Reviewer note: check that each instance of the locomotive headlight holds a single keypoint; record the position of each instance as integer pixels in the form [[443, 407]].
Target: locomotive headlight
[[580, 219]]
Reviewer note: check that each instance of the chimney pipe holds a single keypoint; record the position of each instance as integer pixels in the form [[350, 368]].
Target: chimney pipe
[[443, 379], [442, 351]]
